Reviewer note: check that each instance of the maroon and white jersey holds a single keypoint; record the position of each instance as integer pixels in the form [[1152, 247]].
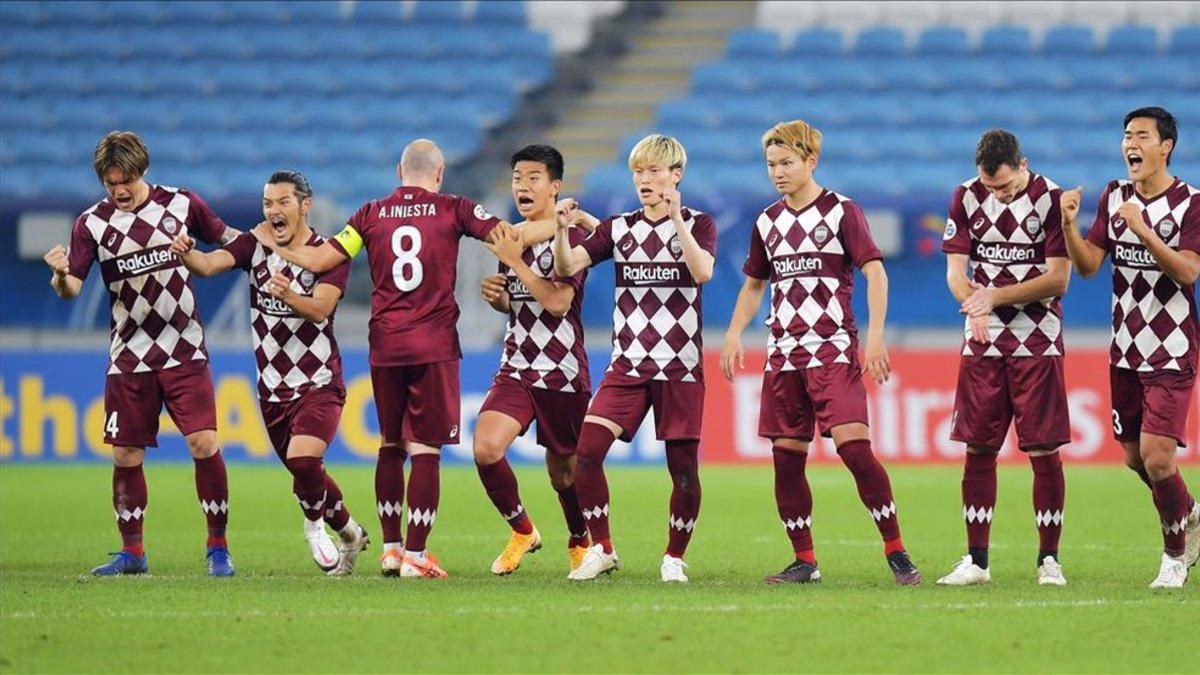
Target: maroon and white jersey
[[411, 237], [809, 256], [155, 323], [1154, 324], [1008, 244], [540, 349], [656, 317], [293, 354]]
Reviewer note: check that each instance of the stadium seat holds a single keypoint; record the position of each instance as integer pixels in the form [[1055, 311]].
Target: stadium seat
[[1131, 39], [260, 13], [23, 13], [880, 42], [1185, 41], [752, 43], [500, 13], [193, 13], [1069, 41], [943, 41], [816, 42], [438, 12], [1004, 41], [88, 13], [321, 13]]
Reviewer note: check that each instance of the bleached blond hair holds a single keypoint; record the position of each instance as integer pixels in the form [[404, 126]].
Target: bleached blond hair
[[658, 149], [795, 135]]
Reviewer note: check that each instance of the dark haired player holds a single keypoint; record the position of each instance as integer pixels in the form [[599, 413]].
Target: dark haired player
[[1150, 224]]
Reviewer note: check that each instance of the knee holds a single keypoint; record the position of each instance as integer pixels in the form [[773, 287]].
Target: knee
[[128, 457], [1158, 462], [488, 450], [202, 444], [561, 479]]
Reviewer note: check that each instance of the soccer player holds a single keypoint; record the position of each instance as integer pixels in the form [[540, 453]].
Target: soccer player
[[1007, 223], [543, 371], [664, 253], [411, 237], [157, 356], [806, 245], [300, 387], [1151, 226]]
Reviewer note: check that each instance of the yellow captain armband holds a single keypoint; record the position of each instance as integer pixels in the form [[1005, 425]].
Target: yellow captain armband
[[350, 240]]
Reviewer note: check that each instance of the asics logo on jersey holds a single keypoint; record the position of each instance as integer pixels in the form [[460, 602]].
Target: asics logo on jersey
[[795, 265], [141, 262], [1004, 252], [977, 225], [626, 245], [1134, 256], [111, 239]]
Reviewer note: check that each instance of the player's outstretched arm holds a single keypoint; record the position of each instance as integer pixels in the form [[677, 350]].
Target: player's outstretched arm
[[1182, 266], [315, 259], [1085, 256], [876, 362], [568, 260], [317, 308], [494, 290], [65, 285], [198, 262], [508, 247], [748, 301]]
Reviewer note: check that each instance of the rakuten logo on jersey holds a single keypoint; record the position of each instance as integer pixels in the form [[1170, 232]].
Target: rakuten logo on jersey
[[141, 262], [517, 290], [1130, 255], [269, 304], [1003, 252], [653, 274], [797, 265]]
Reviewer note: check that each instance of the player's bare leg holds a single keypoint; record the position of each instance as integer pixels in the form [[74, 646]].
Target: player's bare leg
[[1174, 506], [423, 494], [494, 432], [875, 490], [562, 470], [389, 503], [595, 439], [310, 484], [1049, 496], [129, 505], [212, 489], [793, 498]]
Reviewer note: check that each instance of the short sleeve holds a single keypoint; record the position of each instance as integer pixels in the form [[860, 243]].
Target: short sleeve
[[474, 220], [81, 252], [242, 249], [599, 244], [204, 224], [956, 238], [704, 230], [1056, 246], [757, 264], [576, 237], [856, 236], [1189, 234], [1098, 235], [338, 277]]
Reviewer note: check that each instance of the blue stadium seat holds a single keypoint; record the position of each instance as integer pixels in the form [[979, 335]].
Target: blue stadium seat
[[501, 13], [753, 43], [722, 76], [158, 45], [757, 112], [1131, 39], [91, 114], [1086, 144], [77, 12], [938, 110], [1069, 41], [816, 42], [438, 12], [846, 146], [321, 13], [1165, 73], [193, 13], [23, 13], [247, 78], [608, 179], [145, 114], [943, 41], [1040, 74], [1185, 41], [56, 79], [886, 110], [202, 114], [141, 14], [35, 148], [128, 80], [95, 44], [883, 41], [21, 115], [1004, 41], [35, 44], [262, 14], [1041, 145], [688, 112]]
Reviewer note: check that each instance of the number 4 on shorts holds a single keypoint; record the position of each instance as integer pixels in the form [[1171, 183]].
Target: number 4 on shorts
[[110, 425]]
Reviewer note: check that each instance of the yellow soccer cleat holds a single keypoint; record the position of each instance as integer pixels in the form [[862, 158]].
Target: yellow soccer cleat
[[518, 545], [576, 553]]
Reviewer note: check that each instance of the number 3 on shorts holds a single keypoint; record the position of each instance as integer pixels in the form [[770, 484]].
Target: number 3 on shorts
[[110, 425], [1117, 428], [407, 271]]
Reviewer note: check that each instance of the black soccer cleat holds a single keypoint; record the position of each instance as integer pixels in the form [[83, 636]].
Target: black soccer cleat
[[903, 569], [799, 572]]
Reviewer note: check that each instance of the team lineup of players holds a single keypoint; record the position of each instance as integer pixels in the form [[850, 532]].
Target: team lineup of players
[[1011, 240]]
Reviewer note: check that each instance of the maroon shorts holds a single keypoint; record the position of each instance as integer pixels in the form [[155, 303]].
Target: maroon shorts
[[792, 401], [994, 391], [1156, 403], [418, 403], [559, 414], [678, 406], [316, 413], [133, 402]]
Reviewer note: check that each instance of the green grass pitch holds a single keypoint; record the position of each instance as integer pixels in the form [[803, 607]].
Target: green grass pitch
[[280, 615]]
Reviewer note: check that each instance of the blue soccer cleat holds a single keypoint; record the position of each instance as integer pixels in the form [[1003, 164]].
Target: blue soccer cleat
[[219, 562], [123, 562]]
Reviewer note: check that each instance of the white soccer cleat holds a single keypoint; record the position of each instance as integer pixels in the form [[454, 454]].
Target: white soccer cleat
[[965, 573], [1171, 574], [672, 569], [353, 541], [1050, 573], [320, 544], [1191, 550], [595, 563]]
